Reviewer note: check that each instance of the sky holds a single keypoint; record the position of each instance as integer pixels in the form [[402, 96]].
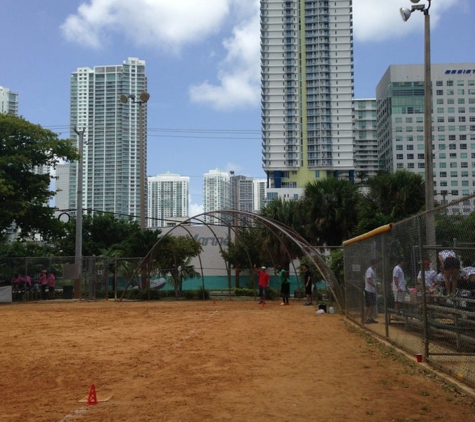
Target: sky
[[202, 64]]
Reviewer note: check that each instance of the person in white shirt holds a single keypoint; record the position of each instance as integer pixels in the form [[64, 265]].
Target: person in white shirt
[[429, 275], [370, 293], [399, 285]]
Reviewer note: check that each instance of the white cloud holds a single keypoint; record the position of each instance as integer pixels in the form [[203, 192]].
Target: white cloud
[[162, 23], [377, 20], [170, 25], [239, 75], [195, 209]]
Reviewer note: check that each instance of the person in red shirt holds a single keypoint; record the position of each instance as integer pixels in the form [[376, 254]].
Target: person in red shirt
[[264, 280]]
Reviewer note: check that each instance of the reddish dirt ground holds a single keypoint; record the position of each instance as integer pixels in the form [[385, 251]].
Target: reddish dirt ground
[[205, 361]]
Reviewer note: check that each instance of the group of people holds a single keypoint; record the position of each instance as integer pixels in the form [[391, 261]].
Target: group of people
[[447, 281], [44, 280], [264, 283]]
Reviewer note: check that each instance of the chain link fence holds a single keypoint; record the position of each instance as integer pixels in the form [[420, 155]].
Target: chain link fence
[[433, 315], [100, 275]]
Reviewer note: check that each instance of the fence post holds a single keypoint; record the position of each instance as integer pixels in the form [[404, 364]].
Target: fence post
[[425, 321]]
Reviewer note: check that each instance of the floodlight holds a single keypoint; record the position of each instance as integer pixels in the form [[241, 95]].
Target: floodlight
[[405, 13], [123, 98], [144, 97]]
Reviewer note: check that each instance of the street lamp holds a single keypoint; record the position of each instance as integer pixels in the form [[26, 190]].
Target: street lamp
[[429, 170], [78, 258], [144, 97]]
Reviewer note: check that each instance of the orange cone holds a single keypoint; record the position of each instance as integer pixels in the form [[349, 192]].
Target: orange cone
[[92, 398]]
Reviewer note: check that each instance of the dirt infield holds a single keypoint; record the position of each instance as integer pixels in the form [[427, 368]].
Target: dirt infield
[[199, 361]]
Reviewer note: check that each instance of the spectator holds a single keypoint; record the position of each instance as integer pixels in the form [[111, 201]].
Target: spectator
[[43, 284], [27, 279], [450, 266], [16, 283], [308, 281], [370, 293], [429, 275], [51, 285], [264, 280], [399, 285]]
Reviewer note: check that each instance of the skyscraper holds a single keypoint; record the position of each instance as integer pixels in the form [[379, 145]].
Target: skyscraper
[[61, 200], [216, 194], [8, 101], [259, 193], [111, 154], [365, 139], [167, 199], [400, 112], [307, 92]]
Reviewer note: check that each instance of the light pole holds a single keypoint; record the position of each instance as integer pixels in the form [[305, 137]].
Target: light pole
[[144, 97], [429, 170], [78, 259]]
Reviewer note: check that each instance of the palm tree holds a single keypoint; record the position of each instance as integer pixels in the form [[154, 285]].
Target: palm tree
[[391, 197], [331, 210]]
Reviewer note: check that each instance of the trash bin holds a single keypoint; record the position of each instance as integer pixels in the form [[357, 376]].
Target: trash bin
[[298, 294], [68, 292]]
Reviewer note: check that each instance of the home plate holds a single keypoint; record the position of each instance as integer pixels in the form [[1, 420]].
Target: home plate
[[99, 398]]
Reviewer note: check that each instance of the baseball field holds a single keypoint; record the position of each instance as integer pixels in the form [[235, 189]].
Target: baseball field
[[207, 361]]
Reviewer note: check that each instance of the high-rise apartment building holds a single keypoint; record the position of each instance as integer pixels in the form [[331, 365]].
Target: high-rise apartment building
[[8, 101], [400, 112], [307, 92], [111, 152], [167, 200], [259, 194], [365, 139], [61, 199], [216, 194]]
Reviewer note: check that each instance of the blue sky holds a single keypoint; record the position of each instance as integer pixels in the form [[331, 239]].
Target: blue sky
[[202, 59]]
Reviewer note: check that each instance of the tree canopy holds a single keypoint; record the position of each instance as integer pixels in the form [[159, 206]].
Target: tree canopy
[[28, 153]]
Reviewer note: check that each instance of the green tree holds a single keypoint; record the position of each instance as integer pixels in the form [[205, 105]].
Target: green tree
[[173, 255], [25, 192], [238, 253], [100, 232], [391, 197], [331, 210], [276, 247]]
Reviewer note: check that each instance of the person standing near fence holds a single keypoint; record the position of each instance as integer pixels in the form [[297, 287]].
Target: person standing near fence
[[284, 285], [370, 293], [399, 285], [450, 266], [51, 285], [43, 284]]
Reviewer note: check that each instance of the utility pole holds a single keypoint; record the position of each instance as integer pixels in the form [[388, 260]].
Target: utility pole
[[78, 260], [144, 97]]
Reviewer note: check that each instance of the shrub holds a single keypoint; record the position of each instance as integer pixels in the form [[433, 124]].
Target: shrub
[[244, 292], [202, 294]]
